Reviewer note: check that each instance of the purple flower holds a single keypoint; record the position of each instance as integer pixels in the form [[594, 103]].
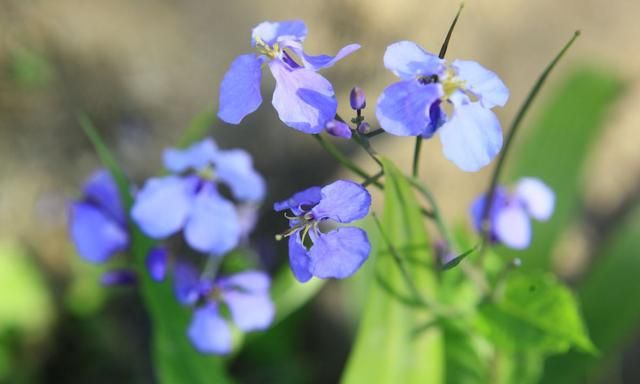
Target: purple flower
[[338, 129], [190, 198], [97, 222], [245, 295], [304, 99], [357, 99], [509, 219], [414, 106], [337, 253]]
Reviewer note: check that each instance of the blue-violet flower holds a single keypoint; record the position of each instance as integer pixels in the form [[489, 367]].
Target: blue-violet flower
[[509, 219], [471, 136], [190, 199], [98, 221], [338, 253], [304, 99], [245, 295]]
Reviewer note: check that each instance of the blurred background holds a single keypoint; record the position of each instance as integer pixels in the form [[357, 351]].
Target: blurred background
[[142, 70]]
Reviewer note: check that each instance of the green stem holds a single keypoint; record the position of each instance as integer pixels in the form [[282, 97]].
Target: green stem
[[515, 125], [437, 217], [437, 308], [342, 159], [416, 156]]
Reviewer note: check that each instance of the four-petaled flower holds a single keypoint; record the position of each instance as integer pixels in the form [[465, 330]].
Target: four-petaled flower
[[245, 295], [98, 223], [471, 136], [304, 99], [509, 219], [190, 198], [338, 253]]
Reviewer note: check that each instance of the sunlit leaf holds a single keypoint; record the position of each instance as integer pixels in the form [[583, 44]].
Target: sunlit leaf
[[386, 349]]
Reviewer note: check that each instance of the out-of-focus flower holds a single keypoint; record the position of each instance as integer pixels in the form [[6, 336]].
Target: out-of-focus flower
[[338, 253], [509, 219], [304, 99], [472, 135], [190, 198], [245, 295], [119, 277], [98, 222]]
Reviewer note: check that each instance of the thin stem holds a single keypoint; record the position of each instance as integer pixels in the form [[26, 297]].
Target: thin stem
[[512, 132], [437, 217], [445, 44], [211, 267], [406, 276], [416, 156], [374, 133], [342, 159], [372, 179]]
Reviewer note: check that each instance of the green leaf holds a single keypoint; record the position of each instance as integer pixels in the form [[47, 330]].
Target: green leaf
[[198, 127], [535, 312], [174, 358], [464, 362], [289, 294], [385, 349], [610, 309], [556, 147]]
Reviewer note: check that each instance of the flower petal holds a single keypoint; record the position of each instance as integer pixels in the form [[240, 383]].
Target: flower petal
[[537, 197], [273, 32], [404, 107], [248, 281], [343, 201], [197, 156], [156, 263], [102, 190], [235, 168], [339, 253], [209, 332], [500, 200], [162, 205], [408, 60], [483, 83], [472, 137], [240, 88], [213, 225], [250, 312], [97, 236], [299, 259], [325, 61], [304, 100], [310, 196], [513, 227]]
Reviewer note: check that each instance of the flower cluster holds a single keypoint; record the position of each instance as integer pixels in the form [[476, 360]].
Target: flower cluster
[[509, 218], [338, 253], [472, 136], [212, 197]]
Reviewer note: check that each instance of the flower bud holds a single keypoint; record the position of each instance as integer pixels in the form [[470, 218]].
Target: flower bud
[[364, 128], [156, 263], [119, 277], [357, 99], [338, 129]]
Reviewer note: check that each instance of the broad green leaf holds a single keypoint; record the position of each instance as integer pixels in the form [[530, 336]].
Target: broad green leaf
[[386, 350], [198, 127], [289, 294], [610, 307], [555, 149], [535, 312], [174, 358]]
